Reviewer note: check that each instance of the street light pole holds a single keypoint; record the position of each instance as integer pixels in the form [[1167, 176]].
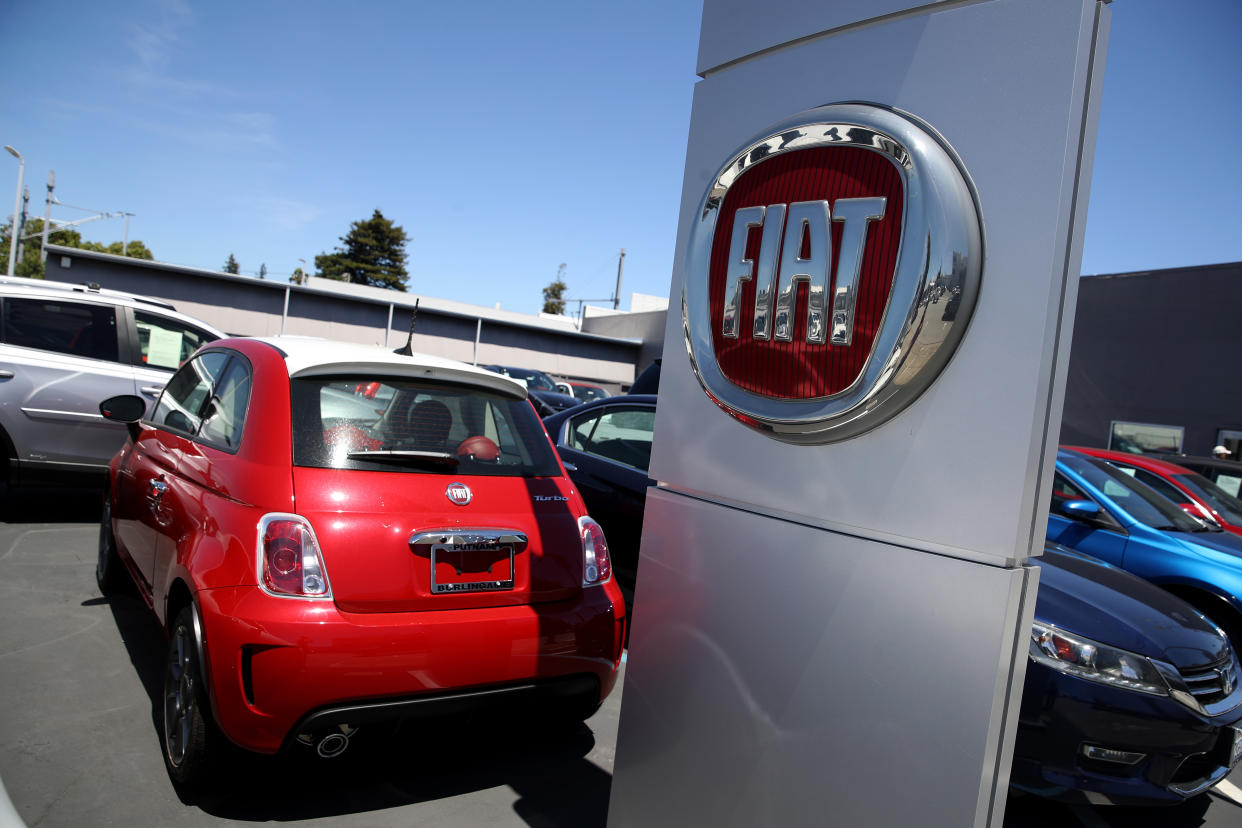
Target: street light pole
[[17, 205]]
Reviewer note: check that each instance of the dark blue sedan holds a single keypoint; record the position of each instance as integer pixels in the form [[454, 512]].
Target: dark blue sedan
[[606, 448], [1131, 696]]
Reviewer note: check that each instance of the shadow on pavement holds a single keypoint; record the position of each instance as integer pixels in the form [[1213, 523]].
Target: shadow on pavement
[[50, 505], [545, 766], [1035, 812]]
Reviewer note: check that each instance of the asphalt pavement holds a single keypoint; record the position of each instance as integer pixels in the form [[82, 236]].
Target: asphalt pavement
[[79, 743]]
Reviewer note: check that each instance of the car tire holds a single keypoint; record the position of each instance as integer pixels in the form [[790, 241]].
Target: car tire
[[191, 741], [109, 572]]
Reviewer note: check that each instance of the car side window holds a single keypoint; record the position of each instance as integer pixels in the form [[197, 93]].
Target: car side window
[[225, 413], [181, 405], [1161, 485], [164, 342], [620, 435], [1229, 482], [1063, 492], [76, 328]]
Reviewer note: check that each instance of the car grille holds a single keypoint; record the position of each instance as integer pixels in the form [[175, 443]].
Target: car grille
[[1211, 682]]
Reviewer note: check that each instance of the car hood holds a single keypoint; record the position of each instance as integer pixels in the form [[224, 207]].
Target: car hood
[[556, 399], [1083, 595]]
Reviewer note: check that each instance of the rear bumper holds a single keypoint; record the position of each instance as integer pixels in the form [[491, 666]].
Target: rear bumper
[[278, 667]]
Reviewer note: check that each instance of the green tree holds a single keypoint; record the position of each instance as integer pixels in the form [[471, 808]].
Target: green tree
[[30, 264], [554, 295], [298, 277], [373, 254], [263, 271], [231, 266]]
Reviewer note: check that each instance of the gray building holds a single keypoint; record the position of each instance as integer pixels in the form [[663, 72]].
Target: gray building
[[355, 313], [1150, 363]]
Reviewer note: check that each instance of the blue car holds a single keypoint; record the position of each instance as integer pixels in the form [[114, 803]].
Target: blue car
[[1100, 510], [1131, 696]]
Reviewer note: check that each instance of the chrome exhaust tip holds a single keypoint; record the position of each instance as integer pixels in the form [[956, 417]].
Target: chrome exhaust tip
[[332, 745]]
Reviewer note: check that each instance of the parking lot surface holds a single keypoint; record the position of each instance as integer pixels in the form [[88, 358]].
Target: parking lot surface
[[79, 743]]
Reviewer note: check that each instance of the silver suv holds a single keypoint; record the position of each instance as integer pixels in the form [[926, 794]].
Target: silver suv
[[63, 349]]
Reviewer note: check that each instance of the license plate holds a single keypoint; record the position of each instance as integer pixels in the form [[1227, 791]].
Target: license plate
[[1236, 754], [471, 567]]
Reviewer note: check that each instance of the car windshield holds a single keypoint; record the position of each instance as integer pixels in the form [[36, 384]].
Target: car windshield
[[537, 380], [391, 424], [1142, 502], [589, 393], [1225, 504]]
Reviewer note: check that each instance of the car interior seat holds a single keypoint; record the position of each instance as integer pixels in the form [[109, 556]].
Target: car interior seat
[[427, 426]]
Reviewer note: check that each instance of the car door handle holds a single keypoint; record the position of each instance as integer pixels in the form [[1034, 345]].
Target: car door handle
[[569, 466], [151, 390], [155, 491], [6, 373]]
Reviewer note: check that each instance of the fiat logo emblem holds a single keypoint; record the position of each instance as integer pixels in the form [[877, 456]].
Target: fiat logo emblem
[[832, 269], [459, 493]]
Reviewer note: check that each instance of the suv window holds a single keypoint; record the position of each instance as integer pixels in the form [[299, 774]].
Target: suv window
[[181, 405], [76, 328], [392, 424], [164, 342], [620, 436]]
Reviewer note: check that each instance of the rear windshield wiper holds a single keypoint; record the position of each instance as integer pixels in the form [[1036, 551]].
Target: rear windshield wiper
[[430, 458]]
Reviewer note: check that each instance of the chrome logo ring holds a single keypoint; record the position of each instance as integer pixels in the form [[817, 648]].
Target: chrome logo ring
[[929, 217]]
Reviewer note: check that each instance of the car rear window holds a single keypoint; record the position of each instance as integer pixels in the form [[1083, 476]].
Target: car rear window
[[370, 423]]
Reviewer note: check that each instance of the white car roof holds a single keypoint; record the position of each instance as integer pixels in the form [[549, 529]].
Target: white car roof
[[307, 356], [21, 286]]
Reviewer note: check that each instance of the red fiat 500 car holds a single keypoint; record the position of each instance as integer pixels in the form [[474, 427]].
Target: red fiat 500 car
[[1192, 491], [323, 560]]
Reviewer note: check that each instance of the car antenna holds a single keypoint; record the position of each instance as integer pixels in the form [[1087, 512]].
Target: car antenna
[[408, 348]]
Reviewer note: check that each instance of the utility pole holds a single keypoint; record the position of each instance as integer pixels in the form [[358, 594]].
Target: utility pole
[[21, 233], [616, 295], [125, 242], [17, 205], [47, 212]]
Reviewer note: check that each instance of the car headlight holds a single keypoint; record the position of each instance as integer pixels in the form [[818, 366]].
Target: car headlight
[[1075, 655]]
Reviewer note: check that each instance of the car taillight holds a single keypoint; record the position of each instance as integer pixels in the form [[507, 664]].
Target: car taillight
[[596, 565], [290, 562]]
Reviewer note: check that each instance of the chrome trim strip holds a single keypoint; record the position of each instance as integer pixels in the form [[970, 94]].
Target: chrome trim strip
[[70, 416], [460, 535]]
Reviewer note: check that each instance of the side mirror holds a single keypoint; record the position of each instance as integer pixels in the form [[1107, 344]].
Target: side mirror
[[125, 408], [1081, 510]]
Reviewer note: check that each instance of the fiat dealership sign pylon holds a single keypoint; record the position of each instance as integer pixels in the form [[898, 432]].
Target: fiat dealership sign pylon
[[877, 261], [833, 269]]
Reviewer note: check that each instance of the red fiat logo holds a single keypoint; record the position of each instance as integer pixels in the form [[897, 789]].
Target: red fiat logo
[[802, 268], [831, 272], [459, 493]]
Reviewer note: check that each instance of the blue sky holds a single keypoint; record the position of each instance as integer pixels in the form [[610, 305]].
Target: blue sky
[[506, 138]]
